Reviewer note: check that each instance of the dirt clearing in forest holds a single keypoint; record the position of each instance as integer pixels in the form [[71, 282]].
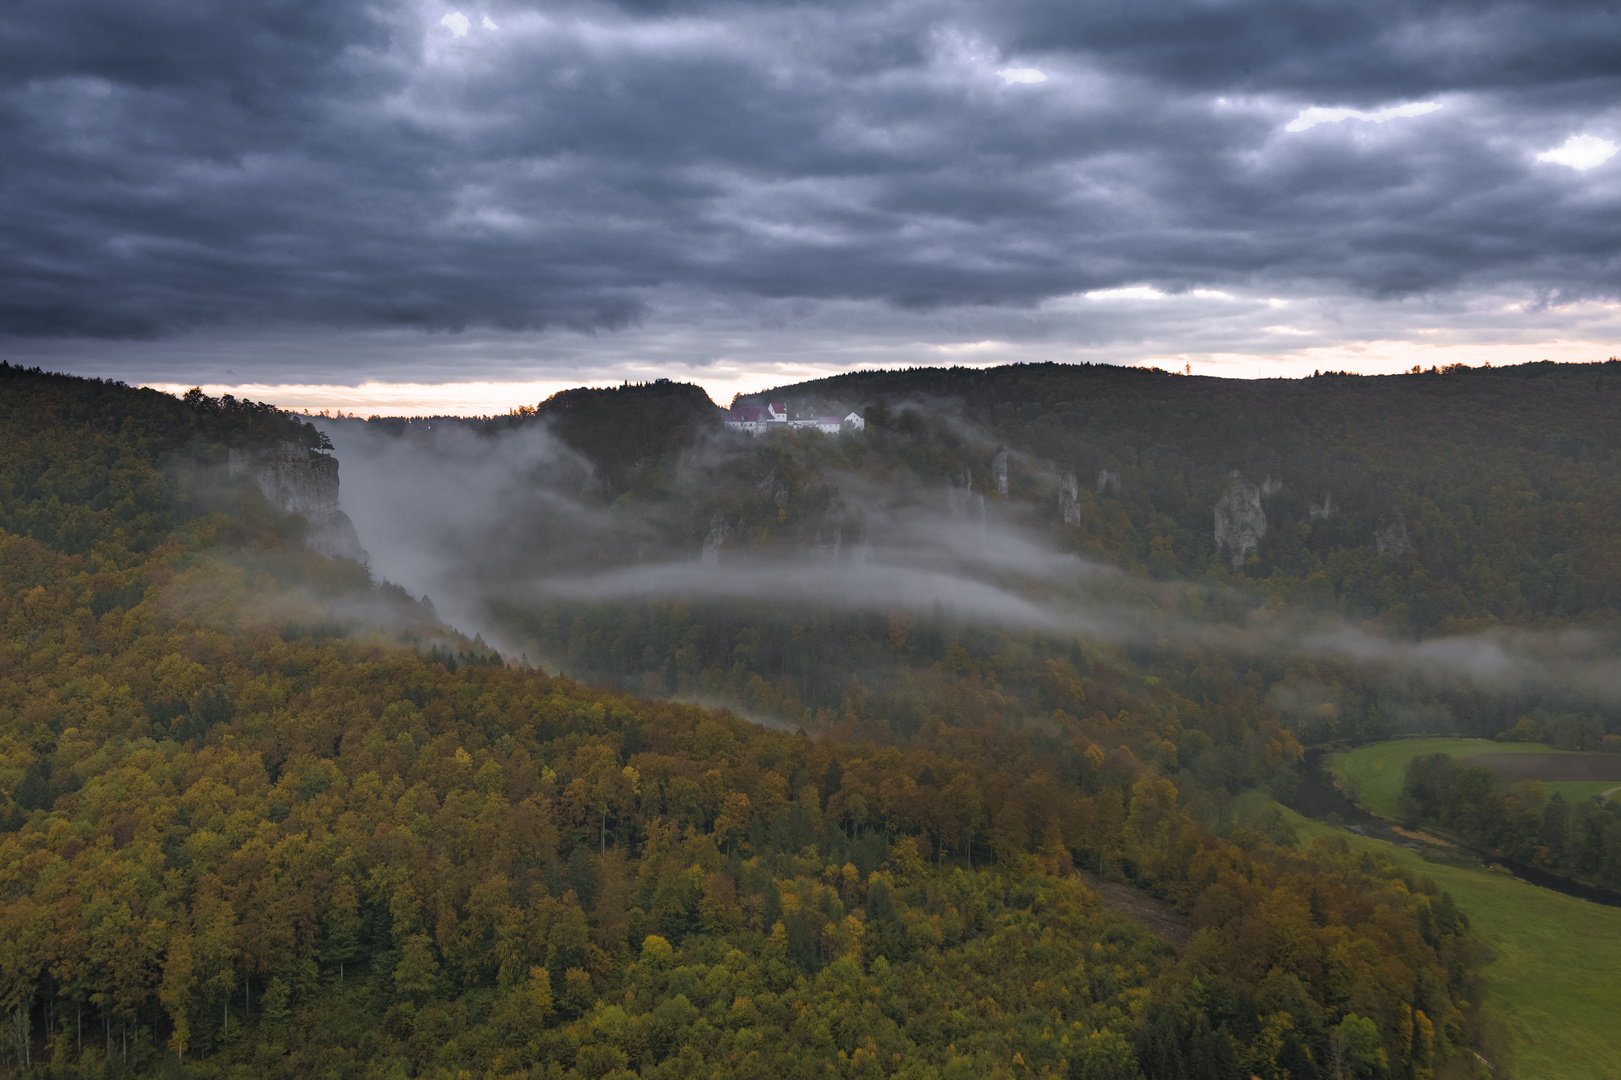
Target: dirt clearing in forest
[[1138, 906]]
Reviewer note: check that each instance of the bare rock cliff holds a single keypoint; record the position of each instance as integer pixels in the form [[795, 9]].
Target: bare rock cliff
[[963, 500], [1069, 499], [720, 531], [1240, 521], [298, 480], [1390, 537]]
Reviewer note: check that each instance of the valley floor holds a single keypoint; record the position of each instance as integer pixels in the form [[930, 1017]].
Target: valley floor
[[1555, 972], [1373, 774]]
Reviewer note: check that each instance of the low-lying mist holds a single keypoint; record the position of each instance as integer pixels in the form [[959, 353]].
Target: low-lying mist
[[470, 518], [487, 522]]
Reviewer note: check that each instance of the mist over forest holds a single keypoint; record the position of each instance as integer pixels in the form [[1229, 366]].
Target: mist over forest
[[1054, 717], [1048, 514], [598, 739]]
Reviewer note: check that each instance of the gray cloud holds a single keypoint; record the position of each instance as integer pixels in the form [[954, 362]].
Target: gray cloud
[[592, 168], [1360, 53]]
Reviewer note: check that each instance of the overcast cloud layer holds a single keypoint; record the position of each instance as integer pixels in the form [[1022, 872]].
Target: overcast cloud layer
[[830, 178]]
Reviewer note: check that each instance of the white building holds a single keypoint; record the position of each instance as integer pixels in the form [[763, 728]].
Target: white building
[[756, 419]]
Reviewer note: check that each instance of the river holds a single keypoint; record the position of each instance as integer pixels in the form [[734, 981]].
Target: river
[[1320, 799]]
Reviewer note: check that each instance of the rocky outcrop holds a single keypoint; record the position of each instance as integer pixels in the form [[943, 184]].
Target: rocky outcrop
[[826, 539], [964, 502], [1109, 481], [719, 533], [1323, 509], [1391, 538], [1240, 521], [298, 480], [1069, 504], [999, 472], [772, 490]]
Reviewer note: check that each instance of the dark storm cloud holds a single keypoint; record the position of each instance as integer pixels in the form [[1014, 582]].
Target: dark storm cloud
[[1359, 53], [171, 166]]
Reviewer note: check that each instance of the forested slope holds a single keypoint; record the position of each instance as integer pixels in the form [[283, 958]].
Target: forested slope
[[1474, 509], [265, 817], [1504, 480]]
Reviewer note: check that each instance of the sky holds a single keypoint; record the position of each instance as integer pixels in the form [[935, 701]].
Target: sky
[[409, 207]]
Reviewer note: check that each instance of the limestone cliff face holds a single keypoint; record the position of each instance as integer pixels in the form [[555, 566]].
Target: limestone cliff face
[[1069, 495], [963, 501], [1240, 521], [1390, 537], [298, 480], [719, 532]]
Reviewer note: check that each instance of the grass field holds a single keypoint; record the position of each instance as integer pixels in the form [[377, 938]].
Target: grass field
[[1554, 975], [1373, 774]]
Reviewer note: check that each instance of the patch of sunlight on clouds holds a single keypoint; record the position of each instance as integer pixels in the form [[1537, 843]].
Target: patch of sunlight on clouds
[[969, 346], [1022, 75], [1130, 292], [1581, 152], [1394, 357], [1148, 292], [1382, 357], [1310, 118], [489, 23], [458, 23], [473, 398]]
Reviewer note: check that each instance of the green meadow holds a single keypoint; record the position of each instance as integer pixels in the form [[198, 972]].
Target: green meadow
[[1555, 960], [1373, 774]]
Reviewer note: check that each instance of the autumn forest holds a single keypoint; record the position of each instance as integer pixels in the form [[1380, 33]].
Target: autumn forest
[[269, 813]]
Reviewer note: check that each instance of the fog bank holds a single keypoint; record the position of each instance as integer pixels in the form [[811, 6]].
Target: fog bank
[[515, 518]]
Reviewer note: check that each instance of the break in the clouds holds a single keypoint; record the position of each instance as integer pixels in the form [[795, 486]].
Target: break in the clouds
[[1022, 75], [1580, 152], [1310, 118], [685, 170]]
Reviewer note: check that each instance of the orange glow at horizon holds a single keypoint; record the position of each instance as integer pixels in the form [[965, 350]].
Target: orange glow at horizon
[[490, 397]]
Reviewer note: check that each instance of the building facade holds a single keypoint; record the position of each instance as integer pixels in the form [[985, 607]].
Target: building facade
[[758, 419]]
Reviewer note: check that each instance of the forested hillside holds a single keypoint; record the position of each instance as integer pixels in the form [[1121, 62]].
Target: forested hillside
[[1471, 510], [1504, 481], [265, 816]]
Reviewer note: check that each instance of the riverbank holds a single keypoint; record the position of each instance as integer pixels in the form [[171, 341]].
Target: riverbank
[[1322, 798], [1551, 976], [1373, 774]]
